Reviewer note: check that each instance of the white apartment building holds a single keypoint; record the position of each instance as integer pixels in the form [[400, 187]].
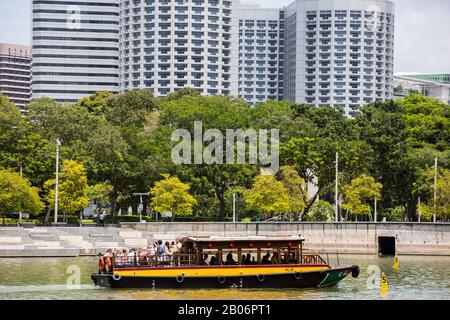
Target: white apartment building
[[167, 45], [339, 52], [318, 52], [15, 73], [75, 48], [257, 54]]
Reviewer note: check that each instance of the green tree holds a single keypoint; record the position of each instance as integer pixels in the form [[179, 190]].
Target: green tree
[[131, 108], [17, 194], [360, 193], [321, 210], [215, 112], [101, 193], [172, 195], [297, 191], [267, 197], [97, 104], [441, 205], [73, 188], [405, 136]]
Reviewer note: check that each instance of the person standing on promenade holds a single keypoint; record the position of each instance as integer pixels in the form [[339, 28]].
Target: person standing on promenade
[[101, 219]]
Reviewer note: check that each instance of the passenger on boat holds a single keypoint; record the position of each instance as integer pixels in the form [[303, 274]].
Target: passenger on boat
[[204, 261], [161, 251], [101, 263], [143, 256], [229, 260], [213, 261], [249, 260], [152, 250], [266, 259], [167, 253], [108, 260], [175, 253], [274, 259], [130, 257]]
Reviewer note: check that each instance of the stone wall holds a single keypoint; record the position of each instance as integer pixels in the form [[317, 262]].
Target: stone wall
[[361, 238], [345, 238]]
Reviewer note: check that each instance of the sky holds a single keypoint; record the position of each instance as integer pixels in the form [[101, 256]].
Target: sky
[[422, 31]]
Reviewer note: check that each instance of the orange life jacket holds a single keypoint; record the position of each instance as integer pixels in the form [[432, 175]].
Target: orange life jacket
[[101, 263]]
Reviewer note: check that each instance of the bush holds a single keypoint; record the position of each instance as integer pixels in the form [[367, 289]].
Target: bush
[[394, 214], [320, 211]]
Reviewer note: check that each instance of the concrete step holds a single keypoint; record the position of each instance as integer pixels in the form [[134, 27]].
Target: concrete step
[[10, 240], [12, 247], [71, 238], [42, 244], [136, 242], [40, 252], [43, 236], [130, 234], [103, 244]]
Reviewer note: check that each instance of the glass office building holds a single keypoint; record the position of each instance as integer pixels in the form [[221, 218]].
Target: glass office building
[[75, 48]]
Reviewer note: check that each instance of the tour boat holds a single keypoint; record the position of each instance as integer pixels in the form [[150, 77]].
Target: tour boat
[[239, 262]]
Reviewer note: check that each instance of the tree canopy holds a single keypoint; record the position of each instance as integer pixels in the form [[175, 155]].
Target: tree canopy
[[125, 141]]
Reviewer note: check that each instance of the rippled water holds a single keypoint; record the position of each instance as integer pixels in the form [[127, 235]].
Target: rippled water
[[47, 278]]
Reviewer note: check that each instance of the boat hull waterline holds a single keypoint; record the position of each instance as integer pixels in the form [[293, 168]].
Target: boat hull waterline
[[225, 278]]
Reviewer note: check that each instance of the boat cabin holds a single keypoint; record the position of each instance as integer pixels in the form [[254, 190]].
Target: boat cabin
[[227, 251], [245, 250]]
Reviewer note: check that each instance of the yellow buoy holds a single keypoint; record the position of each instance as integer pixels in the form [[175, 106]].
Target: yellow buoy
[[395, 266], [384, 286]]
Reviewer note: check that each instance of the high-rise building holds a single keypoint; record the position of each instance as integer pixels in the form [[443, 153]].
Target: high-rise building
[[318, 52], [15, 73], [433, 85], [75, 48], [339, 53], [257, 54], [167, 45]]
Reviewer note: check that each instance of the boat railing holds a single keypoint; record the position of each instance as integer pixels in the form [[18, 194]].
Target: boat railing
[[175, 260], [313, 259], [154, 260]]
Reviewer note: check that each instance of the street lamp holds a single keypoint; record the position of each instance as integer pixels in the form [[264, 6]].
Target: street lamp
[[141, 205], [58, 144]]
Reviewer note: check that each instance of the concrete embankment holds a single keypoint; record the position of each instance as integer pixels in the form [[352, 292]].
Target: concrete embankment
[[345, 238]]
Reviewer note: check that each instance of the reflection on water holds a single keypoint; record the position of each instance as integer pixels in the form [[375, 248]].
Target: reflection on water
[[47, 278]]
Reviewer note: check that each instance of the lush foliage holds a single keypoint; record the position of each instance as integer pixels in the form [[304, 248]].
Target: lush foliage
[[17, 194], [268, 196], [321, 210], [73, 188], [441, 205], [124, 143], [360, 194], [172, 195]]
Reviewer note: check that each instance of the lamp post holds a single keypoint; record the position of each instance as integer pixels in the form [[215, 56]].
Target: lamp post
[[21, 176], [435, 187], [58, 144], [234, 207], [141, 205], [336, 191]]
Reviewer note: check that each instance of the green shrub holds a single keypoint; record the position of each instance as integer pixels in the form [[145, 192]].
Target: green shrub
[[394, 214], [320, 211]]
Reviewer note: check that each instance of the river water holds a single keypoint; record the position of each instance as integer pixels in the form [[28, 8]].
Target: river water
[[57, 278]]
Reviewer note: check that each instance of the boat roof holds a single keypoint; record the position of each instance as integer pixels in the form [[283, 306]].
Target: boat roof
[[244, 239]]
